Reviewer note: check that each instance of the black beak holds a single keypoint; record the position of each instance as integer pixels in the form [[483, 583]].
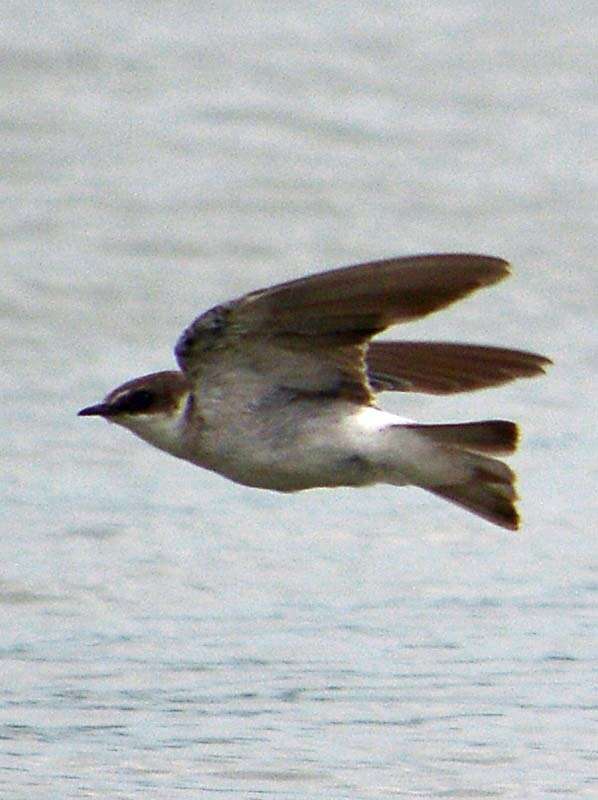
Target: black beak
[[101, 410]]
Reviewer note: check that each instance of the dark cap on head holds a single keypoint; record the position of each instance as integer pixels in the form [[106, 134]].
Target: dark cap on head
[[159, 391]]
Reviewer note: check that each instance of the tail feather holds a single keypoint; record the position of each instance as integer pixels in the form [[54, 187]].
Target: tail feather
[[497, 436], [486, 485], [491, 501]]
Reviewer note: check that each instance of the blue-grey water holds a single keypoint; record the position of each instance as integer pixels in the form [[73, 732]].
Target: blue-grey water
[[166, 634]]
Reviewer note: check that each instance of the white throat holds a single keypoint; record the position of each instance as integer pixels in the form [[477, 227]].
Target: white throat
[[165, 430]]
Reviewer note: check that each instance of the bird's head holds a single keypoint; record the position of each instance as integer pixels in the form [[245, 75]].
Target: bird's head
[[152, 407]]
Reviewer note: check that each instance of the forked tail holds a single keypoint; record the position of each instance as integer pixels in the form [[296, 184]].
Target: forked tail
[[488, 489]]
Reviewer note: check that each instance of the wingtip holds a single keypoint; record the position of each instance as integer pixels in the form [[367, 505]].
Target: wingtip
[[507, 268], [534, 365], [544, 364], [510, 520], [500, 267], [485, 270]]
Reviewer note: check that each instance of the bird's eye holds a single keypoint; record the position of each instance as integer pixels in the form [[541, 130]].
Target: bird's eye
[[139, 400]]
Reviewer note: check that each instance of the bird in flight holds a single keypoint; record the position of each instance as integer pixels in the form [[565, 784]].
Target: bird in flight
[[277, 389]]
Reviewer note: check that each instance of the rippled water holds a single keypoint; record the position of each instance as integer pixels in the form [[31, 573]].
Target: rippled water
[[168, 634]]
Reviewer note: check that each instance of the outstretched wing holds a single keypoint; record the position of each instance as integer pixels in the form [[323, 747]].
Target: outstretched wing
[[446, 368], [311, 334]]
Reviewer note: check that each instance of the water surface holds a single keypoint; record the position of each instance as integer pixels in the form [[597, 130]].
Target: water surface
[[168, 634]]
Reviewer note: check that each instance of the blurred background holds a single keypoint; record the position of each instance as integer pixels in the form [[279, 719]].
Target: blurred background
[[165, 632]]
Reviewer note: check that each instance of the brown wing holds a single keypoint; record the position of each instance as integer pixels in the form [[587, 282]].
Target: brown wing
[[310, 334], [353, 303], [443, 368]]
